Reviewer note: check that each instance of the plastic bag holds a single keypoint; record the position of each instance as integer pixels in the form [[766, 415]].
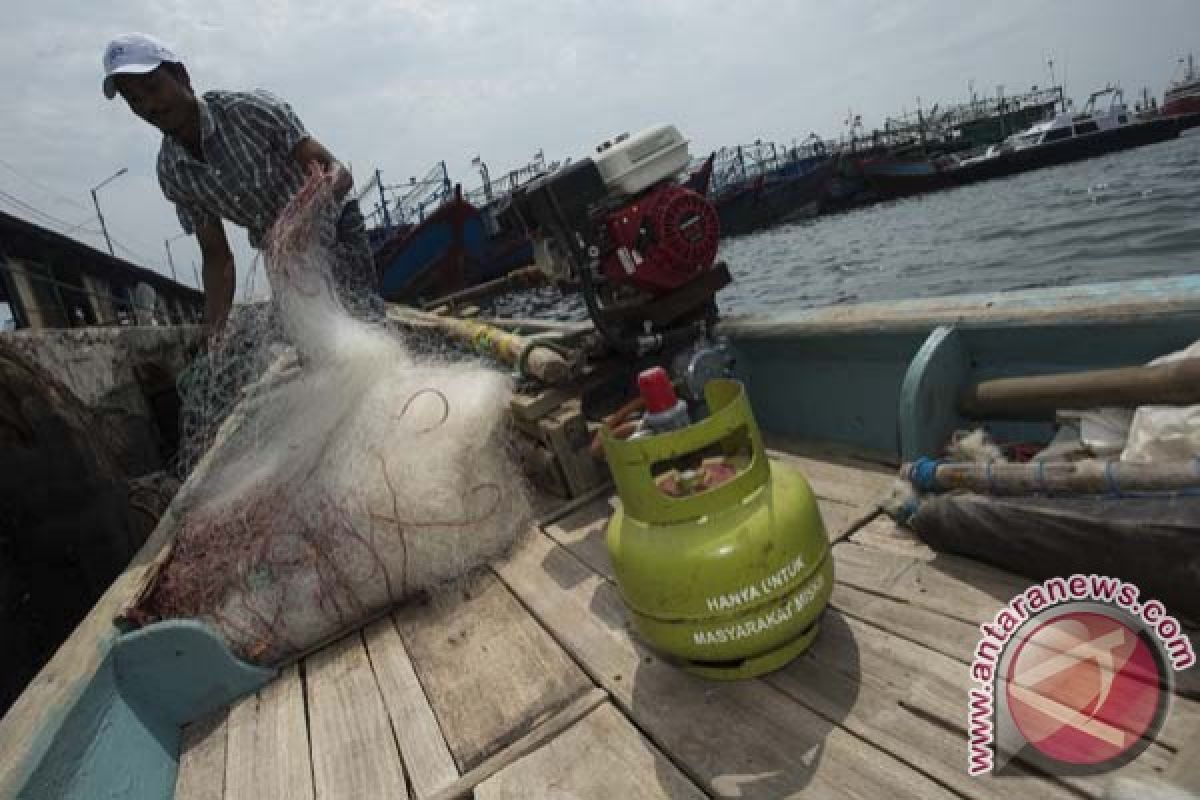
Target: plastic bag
[[1165, 433]]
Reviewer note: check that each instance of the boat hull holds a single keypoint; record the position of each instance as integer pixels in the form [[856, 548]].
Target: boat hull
[[448, 251], [106, 717], [773, 201], [902, 184]]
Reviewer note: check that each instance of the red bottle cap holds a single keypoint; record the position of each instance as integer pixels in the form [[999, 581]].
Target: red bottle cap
[[656, 389]]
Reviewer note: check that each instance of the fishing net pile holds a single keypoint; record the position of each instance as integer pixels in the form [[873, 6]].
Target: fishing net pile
[[354, 476]]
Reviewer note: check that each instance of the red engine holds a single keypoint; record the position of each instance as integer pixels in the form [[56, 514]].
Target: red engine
[[662, 241]]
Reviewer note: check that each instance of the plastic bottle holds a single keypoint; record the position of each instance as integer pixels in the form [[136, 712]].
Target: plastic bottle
[[665, 411]]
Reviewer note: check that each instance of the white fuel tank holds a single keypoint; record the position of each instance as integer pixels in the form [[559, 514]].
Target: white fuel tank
[[636, 162]]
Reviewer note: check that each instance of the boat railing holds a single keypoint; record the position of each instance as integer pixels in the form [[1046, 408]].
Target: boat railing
[[493, 191], [739, 165], [408, 203]]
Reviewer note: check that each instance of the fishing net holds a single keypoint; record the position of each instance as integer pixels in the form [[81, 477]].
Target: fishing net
[[354, 476]]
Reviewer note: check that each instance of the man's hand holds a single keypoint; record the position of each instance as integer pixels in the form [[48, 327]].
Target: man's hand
[[310, 151], [342, 181]]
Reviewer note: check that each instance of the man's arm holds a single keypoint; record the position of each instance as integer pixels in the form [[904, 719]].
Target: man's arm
[[310, 151], [276, 119], [219, 275]]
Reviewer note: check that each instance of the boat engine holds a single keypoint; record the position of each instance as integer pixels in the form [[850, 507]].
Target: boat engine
[[638, 243]]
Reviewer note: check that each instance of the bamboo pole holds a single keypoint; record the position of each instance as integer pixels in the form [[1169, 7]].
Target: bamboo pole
[[522, 278], [1074, 477], [1173, 383], [541, 362]]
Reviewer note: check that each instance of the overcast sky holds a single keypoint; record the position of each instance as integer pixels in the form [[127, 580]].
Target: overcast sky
[[401, 84]]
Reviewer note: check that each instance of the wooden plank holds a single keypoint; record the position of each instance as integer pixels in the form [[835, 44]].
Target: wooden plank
[[584, 532], [842, 520], [955, 643], [958, 590], [579, 708], [354, 753], [1185, 769], [874, 708], [202, 759], [949, 585], [850, 483], [531, 408], [935, 686], [868, 569], [742, 738], [267, 754], [950, 637], [601, 756], [882, 533], [489, 670], [423, 749], [564, 509], [848, 493], [1184, 711], [565, 432], [925, 601]]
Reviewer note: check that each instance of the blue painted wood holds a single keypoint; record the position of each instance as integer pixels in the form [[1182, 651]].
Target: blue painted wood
[[836, 374], [105, 750], [928, 411], [121, 738], [425, 249], [181, 670], [842, 388], [1118, 302]]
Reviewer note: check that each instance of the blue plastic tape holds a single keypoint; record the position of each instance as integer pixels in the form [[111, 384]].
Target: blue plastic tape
[[924, 474]]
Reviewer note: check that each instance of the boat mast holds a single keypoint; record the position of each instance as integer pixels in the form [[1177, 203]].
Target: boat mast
[[387, 219], [1000, 108]]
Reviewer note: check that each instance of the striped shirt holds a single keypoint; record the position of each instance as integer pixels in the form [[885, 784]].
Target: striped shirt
[[249, 174]]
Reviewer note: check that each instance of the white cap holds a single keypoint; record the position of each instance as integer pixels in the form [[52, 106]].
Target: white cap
[[133, 52]]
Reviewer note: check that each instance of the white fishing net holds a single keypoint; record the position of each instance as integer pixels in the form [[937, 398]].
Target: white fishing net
[[355, 477]]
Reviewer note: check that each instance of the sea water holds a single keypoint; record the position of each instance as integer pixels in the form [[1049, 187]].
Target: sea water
[[1134, 214]]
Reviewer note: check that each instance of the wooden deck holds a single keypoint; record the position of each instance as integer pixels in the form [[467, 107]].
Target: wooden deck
[[527, 683]]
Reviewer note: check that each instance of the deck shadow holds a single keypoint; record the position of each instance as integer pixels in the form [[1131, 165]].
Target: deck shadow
[[763, 737]]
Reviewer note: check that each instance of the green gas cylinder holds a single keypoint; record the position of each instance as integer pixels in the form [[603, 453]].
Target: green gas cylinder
[[727, 581]]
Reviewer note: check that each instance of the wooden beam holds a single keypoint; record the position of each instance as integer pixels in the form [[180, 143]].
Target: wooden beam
[[520, 674], [1175, 383], [202, 759], [552, 727], [426, 757], [268, 751], [354, 753], [602, 755]]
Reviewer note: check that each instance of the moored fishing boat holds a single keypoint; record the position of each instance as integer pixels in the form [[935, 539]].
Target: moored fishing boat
[[1183, 95], [757, 186], [434, 241], [440, 254], [1066, 137]]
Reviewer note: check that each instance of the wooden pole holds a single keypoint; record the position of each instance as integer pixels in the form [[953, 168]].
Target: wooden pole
[[542, 362], [517, 279], [1173, 383], [1065, 477]]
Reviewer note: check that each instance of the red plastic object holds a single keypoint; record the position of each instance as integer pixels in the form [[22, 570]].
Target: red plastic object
[[656, 389]]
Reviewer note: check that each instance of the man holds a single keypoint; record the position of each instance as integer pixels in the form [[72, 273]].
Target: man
[[239, 156]]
